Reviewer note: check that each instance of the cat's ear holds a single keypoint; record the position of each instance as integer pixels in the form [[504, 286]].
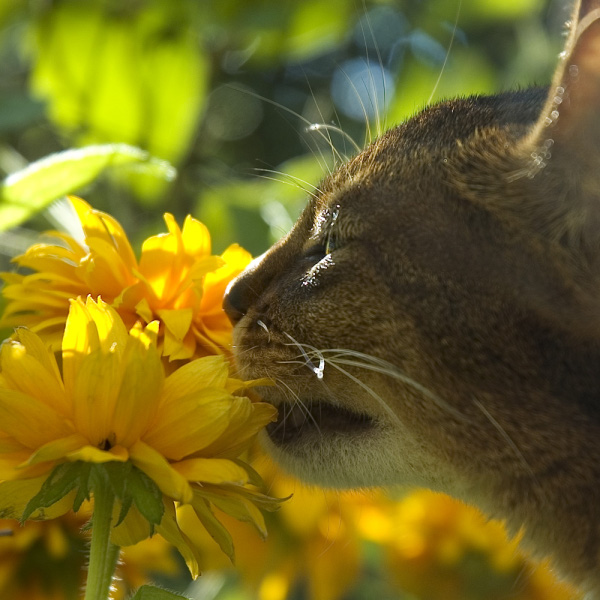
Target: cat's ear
[[564, 146]]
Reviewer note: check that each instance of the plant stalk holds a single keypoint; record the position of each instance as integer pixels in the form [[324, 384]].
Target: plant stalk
[[103, 554]]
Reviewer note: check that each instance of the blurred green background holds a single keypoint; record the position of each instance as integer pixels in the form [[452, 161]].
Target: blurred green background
[[226, 91]]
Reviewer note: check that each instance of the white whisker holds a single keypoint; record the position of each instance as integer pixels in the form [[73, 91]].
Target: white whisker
[[506, 437], [262, 324], [296, 400], [345, 135], [378, 365], [369, 391], [318, 371], [443, 67]]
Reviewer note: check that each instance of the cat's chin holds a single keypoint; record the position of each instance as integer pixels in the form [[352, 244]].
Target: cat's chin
[[298, 423]]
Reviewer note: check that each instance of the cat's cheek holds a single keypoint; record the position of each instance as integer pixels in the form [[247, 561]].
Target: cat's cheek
[[385, 456]]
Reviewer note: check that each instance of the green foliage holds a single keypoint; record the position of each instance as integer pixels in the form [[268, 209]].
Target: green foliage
[[129, 485], [26, 192], [137, 77], [149, 592], [60, 482]]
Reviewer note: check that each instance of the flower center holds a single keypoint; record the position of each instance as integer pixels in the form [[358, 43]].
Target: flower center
[[108, 443]]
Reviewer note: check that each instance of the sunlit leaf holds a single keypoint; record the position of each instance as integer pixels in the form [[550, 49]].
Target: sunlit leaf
[[28, 191]]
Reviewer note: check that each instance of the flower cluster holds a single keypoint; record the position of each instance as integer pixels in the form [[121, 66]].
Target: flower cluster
[[89, 403], [177, 282], [422, 544]]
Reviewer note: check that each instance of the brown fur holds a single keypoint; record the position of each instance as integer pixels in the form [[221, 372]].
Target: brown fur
[[460, 250]]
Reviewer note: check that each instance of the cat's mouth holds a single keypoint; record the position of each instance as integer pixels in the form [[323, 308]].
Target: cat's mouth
[[298, 421]]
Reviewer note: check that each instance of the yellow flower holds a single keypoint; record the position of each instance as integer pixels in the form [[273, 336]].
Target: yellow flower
[[176, 281], [42, 560], [113, 404]]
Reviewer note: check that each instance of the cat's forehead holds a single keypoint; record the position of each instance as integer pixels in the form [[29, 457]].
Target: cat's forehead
[[443, 126], [410, 154]]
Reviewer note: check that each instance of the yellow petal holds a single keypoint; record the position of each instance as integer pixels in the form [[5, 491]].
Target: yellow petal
[[190, 424], [80, 337], [177, 322], [90, 326], [142, 308], [30, 421], [196, 237], [235, 259], [38, 350], [159, 256], [211, 470], [202, 517], [210, 371], [95, 455], [174, 231], [170, 530], [37, 377], [95, 392], [239, 386], [246, 420], [169, 481], [104, 270], [140, 389], [204, 266], [147, 336], [112, 332], [10, 464], [176, 349], [49, 259], [96, 224], [56, 449]]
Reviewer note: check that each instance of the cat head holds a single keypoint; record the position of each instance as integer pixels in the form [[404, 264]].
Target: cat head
[[432, 317]]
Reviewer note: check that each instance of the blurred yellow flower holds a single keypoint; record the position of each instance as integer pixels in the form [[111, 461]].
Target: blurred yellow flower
[[177, 281], [45, 560], [113, 404], [313, 543], [42, 560], [438, 547], [138, 563], [424, 544]]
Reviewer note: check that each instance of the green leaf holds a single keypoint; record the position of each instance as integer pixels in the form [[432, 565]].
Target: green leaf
[[132, 485], [149, 592], [59, 483], [146, 495], [28, 191], [83, 488]]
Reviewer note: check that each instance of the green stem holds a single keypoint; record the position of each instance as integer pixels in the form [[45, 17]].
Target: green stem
[[103, 554]]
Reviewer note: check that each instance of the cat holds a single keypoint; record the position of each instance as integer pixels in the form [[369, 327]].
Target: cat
[[433, 317]]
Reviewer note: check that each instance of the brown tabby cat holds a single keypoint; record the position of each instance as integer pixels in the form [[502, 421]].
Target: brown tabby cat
[[433, 318]]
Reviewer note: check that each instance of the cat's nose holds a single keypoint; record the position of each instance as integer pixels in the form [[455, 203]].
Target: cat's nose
[[235, 304], [245, 290]]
